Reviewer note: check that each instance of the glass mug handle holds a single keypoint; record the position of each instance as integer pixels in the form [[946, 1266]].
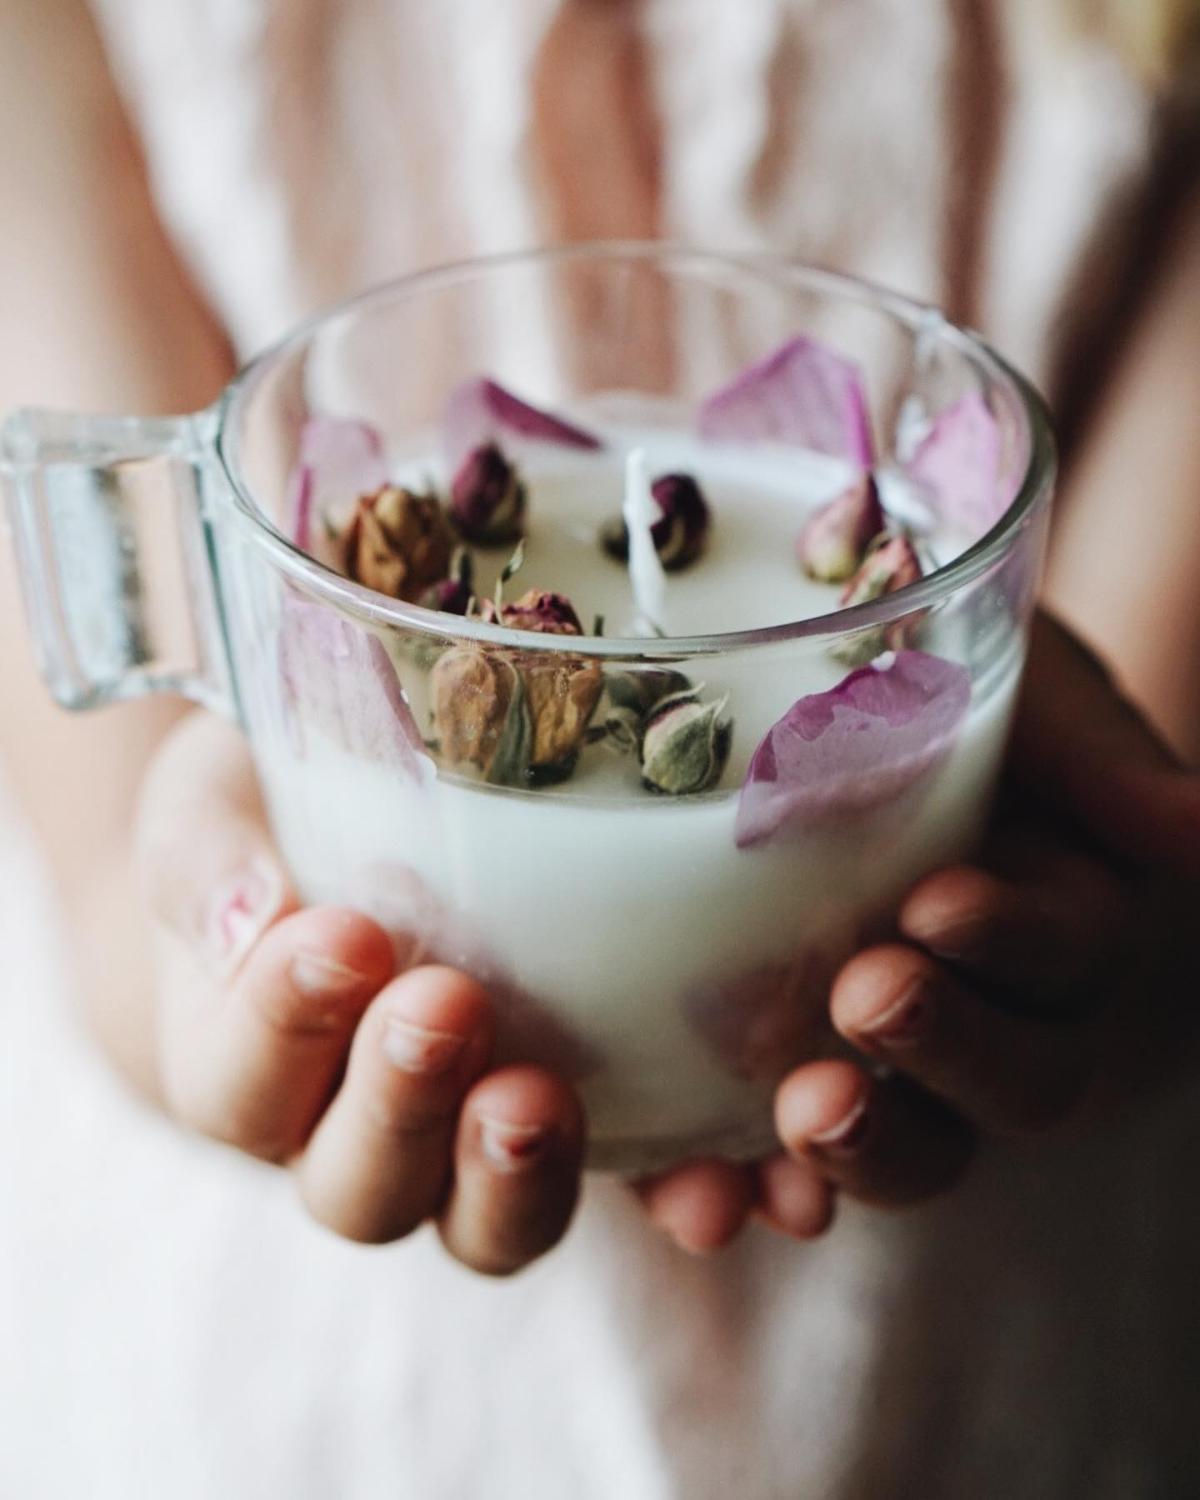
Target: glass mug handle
[[111, 522]]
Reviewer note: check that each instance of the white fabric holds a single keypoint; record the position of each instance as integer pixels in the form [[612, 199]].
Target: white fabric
[[171, 1327]]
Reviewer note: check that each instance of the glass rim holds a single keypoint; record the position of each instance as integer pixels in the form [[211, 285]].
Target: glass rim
[[918, 316]]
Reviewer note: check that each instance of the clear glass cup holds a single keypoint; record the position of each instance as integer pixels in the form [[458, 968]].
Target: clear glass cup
[[625, 939]]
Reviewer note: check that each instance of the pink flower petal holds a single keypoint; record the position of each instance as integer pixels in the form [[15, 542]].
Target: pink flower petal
[[803, 394], [854, 747], [481, 411], [339, 460], [958, 462], [339, 679]]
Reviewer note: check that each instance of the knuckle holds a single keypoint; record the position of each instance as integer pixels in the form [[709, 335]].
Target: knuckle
[[406, 1121]]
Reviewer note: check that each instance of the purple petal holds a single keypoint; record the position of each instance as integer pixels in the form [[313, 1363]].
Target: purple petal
[[480, 412], [340, 680], [803, 394], [854, 747], [958, 462], [339, 460]]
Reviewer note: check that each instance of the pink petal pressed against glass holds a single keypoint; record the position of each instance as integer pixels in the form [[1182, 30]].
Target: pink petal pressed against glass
[[958, 462], [339, 461], [803, 394], [853, 747], [339, 679], [482, 411]]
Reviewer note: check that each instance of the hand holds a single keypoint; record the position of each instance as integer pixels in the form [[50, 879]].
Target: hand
[[1057, 977], [283, 1033]]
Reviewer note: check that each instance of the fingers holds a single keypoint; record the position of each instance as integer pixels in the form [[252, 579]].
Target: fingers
[[414, 1133], [1086, 752], [379, 1162], [255, 1064], [519, 1151], [881, 1141], [701, 1206], [1041, 945], [1006, 1073], [794, 1197]]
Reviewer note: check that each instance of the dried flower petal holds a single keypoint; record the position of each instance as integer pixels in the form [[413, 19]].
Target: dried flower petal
[[834, 539], [339, 679], [803, 394], [680, 532], [338, 462], [481, 411], [685, 744], [958, 461], [398, 543], [854, 747], [487, 498]]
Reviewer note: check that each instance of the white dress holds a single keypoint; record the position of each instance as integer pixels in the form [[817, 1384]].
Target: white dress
[[171, 1326]]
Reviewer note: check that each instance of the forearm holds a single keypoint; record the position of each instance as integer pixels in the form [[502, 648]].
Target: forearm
[[1126, 557], [97, 314]]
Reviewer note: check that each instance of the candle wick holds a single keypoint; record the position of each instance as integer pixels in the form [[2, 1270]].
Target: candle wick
[[646, 576]]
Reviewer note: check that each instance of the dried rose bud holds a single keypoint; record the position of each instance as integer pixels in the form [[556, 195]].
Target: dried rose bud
[[480, 712], [562, 697], [680, 532], [562, 692], [398, 543], [551, 614], [638, 692], [487, 498], [891, 565], [685, 744], [454, 594], [518, 716], [833, 541]]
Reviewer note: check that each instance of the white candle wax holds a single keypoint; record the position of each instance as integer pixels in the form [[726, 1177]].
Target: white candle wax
[[661, 965]]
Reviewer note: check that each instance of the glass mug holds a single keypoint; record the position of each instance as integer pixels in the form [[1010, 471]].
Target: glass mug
[[629, 942]]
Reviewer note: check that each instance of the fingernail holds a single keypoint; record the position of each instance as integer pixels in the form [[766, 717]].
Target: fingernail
[[844, 1138], [418, 1049], [904, 1021], [962, 941], [511, 1147], [239, 911], [322, 978]]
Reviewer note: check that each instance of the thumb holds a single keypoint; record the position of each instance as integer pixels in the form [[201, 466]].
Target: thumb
[[1082, 748], [204, 854]]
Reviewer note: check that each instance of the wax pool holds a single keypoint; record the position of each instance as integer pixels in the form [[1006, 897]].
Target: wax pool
[[626, 939]]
